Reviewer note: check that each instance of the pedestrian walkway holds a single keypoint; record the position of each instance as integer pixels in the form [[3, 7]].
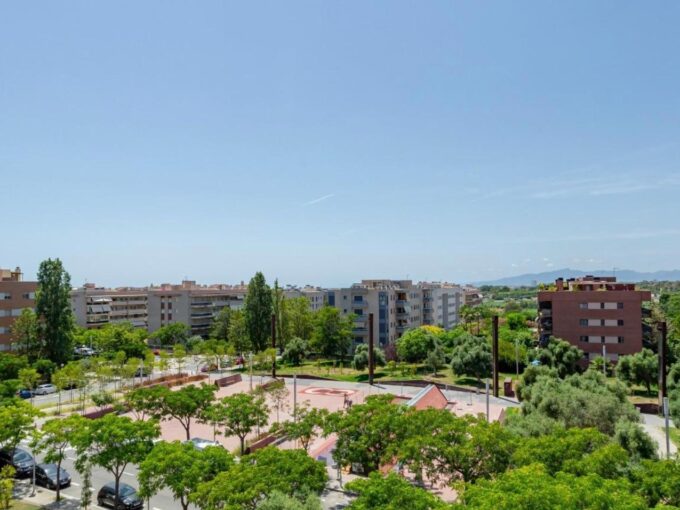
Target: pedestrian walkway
[[655, 426]]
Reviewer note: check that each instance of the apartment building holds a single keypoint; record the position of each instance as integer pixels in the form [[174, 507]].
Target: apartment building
[[315, 295], [94, 307], [592, 312], [441, 304], [473, 296], [191, 304], [397, 305], [15, 295]]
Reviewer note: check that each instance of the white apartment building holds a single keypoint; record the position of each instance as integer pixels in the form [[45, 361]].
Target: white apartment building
[[94, 307], [397, 305], [315, 295]]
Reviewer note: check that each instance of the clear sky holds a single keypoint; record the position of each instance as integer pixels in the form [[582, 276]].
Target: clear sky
[[327, 141]]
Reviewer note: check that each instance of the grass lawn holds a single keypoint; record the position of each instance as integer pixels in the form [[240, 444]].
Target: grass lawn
[[343, 372], [22, 505], [675, 436]]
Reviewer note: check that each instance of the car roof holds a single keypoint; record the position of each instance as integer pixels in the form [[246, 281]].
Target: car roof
[[121, 485]]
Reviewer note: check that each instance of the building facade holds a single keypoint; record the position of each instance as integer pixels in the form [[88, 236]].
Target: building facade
[[596, 314], [191, 304], [15, 295], [94, 307], [315, 295], [397, 306]]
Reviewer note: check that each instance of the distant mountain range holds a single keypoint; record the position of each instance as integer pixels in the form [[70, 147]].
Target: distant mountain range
[[622, 275]]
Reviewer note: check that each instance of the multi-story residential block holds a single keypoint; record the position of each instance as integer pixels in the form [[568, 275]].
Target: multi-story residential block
[[590, 312], [396, 305], [191, 304], [315, 295], [93, 306], [441, 304], [473, 296], [15, 295]]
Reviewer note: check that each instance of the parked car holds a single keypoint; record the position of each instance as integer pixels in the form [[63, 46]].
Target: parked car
[[24, 393], [211, 367], [84, 351], [128, 499], [45, 389], [201, 444], [19, 459], [46, 475]]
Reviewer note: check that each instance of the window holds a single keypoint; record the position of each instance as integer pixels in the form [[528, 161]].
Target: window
[[619, 305], [3, 330], [358, 311], [583, 306], [584, 339], [620, 339], [620, 322], [583, 322]]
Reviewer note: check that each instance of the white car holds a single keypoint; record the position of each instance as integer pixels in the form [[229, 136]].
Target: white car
[[201, 444], [45, 389]]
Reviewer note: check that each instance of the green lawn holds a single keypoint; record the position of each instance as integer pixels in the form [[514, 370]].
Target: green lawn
[[675, 436], [343, 372], [22, 505]]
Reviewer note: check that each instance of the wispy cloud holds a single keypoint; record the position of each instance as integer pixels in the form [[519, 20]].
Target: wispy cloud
[[317, 200]]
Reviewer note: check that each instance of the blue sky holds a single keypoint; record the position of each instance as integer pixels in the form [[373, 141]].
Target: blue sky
[[323, 142]]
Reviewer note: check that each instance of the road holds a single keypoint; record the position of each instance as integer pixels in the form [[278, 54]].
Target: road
[[162, 501]]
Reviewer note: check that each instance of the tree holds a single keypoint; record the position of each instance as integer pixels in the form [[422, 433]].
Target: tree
[[114, 338], [586, 400], [180, 355], [238, 333], [53, 308], [242, 413], [562, 356], [53, 440], [640, 368], [658, 482], [414, 345], [30, 378], [280, 501], [112, 442], [332, 335], [360, 361], [306, 424], [635, 440], [183, 405], [220, 325], [300, 318], [17, 422], [296, 351], [471, 356], [280, 311], [278, 394], [10, 364], [171, 334], [244, 486], [26, 334], [391, 493], [435, 359], [257, 310], [6, 486], [533, 487], [181, 468], [366, 432]]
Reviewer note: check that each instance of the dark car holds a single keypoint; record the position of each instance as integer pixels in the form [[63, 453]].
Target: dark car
[[46, 475], [25, 393], [19, 459], [128, 499]]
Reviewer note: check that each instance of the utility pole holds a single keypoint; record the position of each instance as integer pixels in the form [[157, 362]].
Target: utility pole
[[274, 345], [494, 352], [516, 357], [668, 439], [662, 363], [487, 401], [604, 360], [371, 361]]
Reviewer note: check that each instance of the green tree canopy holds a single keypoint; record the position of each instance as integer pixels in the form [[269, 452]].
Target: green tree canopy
[[257, 311], [562, 356], [639, 368], [244, 486], [360, 361], [53, 308], [221, 324], [242, 413], [414, 344], [366, 432], [391, 493], [471, 356], [181, 467], [26, 335], [332, 334], [171, 334]]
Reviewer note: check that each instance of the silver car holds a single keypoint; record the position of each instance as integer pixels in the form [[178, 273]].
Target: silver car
[[45, 389]]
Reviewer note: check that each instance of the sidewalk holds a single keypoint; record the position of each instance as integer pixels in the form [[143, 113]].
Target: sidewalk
[[655, 426]]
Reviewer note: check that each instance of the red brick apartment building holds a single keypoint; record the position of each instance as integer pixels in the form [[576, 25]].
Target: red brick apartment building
[[593, 311], [15, 295]]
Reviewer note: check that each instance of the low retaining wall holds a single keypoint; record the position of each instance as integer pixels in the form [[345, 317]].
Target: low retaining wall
[[262, 443], [93, 415]]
